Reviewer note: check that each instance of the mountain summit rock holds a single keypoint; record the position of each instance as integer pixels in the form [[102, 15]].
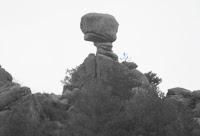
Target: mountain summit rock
[[100, 29]]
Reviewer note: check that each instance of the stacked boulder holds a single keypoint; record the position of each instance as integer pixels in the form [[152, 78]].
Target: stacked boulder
[[100, 29]]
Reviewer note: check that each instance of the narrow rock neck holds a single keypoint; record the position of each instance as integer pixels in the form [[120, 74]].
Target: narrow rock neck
[[105, 45], [105, 48]]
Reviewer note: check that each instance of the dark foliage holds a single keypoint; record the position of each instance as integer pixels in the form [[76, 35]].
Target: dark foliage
[[22, 121], [100, 112], [112, 108], [68, 76], [153, 78], [52, 110]]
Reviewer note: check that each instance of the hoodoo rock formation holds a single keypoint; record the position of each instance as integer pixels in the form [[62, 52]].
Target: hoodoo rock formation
[[101, 29]]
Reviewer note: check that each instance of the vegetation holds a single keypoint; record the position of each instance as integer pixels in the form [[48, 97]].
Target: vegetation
[[68, 74], [153, 78], [100, 112], [118, 106]]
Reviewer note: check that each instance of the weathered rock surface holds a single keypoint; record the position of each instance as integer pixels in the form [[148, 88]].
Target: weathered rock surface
[[130, 65], [13, 94], [100, 68], [180, 95], [178, 91], [4, 76], [106, 50], [19, 112], [196, 94], [189, 99], [25, 114], [99, 27], [22, 118]]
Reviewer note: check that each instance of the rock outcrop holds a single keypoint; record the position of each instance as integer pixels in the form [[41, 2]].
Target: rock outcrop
[[5, 77], [104, 66], [25, 114], [188, 99], [180, 95], [17, 108]]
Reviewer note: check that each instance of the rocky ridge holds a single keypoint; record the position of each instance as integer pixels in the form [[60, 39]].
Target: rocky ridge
[[190, 99], [25, 114]]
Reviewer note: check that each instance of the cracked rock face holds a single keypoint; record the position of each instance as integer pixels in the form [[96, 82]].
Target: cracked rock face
[[98, 27]]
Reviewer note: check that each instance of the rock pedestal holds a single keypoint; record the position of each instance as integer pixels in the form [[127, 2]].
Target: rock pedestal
[[101, 29], [106, 49]]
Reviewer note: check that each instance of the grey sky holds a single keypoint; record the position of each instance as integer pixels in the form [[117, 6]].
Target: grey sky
[[39, 39]]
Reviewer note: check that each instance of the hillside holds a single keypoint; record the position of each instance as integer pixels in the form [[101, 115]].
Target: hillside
[[101, 97]]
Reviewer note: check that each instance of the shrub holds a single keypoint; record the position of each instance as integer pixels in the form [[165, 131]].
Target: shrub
[[153, 78], [113, 109], [99, 112]]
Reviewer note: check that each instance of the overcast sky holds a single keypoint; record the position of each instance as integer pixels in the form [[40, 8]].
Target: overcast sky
[[40, 39]]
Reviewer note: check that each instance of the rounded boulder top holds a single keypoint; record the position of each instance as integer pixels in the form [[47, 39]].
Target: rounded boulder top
[[4, 75], [99, 27]]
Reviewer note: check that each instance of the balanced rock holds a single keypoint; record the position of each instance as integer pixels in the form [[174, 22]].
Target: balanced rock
[[98, 27]]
